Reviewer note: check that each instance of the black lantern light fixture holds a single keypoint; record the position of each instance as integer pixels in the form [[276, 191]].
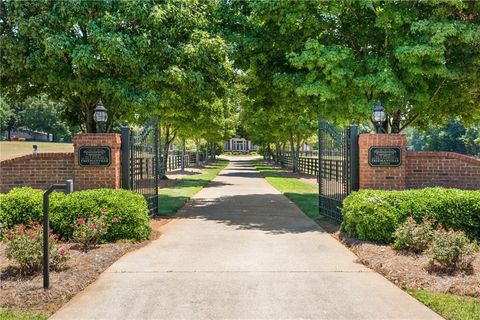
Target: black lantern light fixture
[[378, 116], [100, 116]]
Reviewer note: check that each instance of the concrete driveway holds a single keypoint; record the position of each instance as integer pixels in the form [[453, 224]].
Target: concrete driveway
[[242, 251]]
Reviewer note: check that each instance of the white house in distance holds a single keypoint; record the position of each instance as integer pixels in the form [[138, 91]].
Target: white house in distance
[[238, 145]]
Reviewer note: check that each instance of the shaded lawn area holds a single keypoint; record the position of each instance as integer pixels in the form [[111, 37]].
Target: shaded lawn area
[[304, 195], [14, 314], [450, 306], [10, 149], [172, 198]]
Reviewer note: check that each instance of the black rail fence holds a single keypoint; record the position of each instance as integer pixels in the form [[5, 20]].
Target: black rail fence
[[306, 164], [174, 161], [332, 169]]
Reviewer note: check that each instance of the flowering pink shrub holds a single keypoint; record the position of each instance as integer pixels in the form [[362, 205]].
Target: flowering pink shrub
[[90, 231], [25, 248]]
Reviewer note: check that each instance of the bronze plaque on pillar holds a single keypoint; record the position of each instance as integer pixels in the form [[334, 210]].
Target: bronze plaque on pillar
[[94, 156], [384, 156]]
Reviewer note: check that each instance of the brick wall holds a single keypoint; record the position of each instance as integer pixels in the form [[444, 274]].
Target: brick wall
[[385, 178], [98, 177], [417, 169], [41, 170], [443, 169], [35, 170]]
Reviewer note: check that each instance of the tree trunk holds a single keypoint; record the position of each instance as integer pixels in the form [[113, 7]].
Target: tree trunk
[[197, 151], [90, 124], [292, 151], [297, 153], [214, 151], [277, 152], [207, 151], [183, 155], [269, 152], [169, 137], [395, 121]]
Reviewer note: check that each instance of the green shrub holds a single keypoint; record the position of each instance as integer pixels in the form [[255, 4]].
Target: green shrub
[[128, 207], [24, 246], [413, 237], [451, 251], [374, 214], [25, 204], [20, 205]]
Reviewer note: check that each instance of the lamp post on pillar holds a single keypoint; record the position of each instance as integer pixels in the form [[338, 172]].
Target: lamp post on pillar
[[378, 117], [100, 116]]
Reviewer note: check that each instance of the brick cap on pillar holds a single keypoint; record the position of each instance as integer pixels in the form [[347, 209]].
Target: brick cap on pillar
[[99, 136]]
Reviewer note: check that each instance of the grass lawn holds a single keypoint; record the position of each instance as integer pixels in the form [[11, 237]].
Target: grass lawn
[[304, 195], [13, 314], [10, 149], [173, 198], [449, 306]]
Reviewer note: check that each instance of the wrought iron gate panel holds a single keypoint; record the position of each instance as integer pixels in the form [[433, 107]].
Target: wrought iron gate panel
[[338, 167], [141, 162]]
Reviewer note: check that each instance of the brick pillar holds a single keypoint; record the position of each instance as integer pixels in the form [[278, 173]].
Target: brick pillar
[[383, 177], [102, 175]]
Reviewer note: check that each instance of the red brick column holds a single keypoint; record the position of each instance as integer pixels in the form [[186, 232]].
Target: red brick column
[[95, 177], [385, 178]]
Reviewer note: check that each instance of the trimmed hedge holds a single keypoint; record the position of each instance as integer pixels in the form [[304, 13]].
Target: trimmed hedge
[[375, 214], [21, 205]]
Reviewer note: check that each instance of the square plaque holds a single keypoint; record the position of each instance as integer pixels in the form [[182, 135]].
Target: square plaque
[[94, 156], [384, 156]]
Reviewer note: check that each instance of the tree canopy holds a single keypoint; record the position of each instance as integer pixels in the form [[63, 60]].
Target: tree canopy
[[280, 64]]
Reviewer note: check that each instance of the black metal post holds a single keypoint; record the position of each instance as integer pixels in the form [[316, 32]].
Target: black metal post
[[319, 173], [156, 146], [183, 156], [125, 136], [354, 157], [68, 188], [100, 127]]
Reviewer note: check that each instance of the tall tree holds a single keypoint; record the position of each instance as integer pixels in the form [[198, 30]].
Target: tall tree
[[75, 52], [421, 58]]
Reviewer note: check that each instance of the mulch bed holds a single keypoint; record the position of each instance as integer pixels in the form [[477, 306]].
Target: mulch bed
[[409, 271], [26, 292]]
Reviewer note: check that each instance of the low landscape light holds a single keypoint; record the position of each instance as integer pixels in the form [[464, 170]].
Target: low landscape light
[[378, 116], [100, 116]]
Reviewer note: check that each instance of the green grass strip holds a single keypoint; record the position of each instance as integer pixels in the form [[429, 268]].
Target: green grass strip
[[449, 306], [171, 199], [14, 314], [303, 194]]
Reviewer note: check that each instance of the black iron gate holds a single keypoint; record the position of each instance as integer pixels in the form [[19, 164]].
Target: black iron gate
[[338, 166], [141, 161]]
